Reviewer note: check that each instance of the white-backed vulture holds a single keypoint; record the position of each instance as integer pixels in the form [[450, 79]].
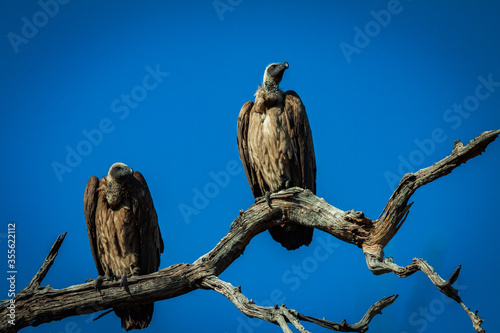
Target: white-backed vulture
[[276, 147], [123, 231]]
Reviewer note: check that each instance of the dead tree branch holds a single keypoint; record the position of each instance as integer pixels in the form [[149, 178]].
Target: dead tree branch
[[397, 208], [49, 260], [36, 305], [281, 315]]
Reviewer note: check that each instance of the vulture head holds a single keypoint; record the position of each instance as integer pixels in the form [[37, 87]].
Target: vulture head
[[120, 171], [274, 73]]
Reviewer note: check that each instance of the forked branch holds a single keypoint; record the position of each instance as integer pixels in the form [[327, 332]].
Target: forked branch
[[36, 305], [281, 315], [397, 209]]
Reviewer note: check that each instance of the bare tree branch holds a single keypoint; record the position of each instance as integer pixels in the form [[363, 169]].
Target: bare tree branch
[[36, 305], [362, 325], [281, 315], [387, 265], [397, 209], [44, 304], [49, 260]]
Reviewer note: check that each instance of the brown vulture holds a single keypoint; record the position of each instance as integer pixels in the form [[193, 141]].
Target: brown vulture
[[124, 234], [276, 147]]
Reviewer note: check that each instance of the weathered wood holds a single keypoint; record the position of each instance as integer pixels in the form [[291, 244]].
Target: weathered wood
[[49, 260], [397, 207], [281, 315], [295, 205], [36, 305]]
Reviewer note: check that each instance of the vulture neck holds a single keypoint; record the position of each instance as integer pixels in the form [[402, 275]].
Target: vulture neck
[[115, 192], [272, 93]]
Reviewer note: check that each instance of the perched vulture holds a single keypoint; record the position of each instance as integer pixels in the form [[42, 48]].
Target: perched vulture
[[123, 232], [276, 147]]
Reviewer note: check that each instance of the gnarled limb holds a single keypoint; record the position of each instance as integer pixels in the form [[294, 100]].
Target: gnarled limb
[[44, 304], [360, 326], [446, 287], [397, 208], [281, 315], [36, 305]]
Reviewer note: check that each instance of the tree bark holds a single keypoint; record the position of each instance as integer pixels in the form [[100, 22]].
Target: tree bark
[[36, 305]]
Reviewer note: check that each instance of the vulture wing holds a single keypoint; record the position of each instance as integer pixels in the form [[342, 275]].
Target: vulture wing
[[302, 167], [151, 242], [90, 204], [297, 125], [242, 140]]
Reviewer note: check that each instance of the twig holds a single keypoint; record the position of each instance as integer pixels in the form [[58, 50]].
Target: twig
[[103, 314], [49, 260], [360, 326]]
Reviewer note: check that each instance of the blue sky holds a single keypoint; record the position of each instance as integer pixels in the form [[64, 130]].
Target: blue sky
[[388, 86]]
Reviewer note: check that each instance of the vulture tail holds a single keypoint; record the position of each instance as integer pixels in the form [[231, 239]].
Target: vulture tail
[[292, 236], [136, 317]]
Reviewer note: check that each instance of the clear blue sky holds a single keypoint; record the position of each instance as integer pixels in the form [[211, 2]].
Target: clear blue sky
[[388, 86]]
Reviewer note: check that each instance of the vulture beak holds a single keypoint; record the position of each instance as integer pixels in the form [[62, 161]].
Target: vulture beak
[[282, 68], [275, 71], [125, 172], [129, 170]]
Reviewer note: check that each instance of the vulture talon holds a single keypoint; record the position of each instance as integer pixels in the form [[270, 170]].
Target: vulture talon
[[98, 283], [124, 281], [267, 196], [108, 276]]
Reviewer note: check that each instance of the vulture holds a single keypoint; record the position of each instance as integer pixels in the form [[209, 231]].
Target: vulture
[[276, 147], [124, 235]]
